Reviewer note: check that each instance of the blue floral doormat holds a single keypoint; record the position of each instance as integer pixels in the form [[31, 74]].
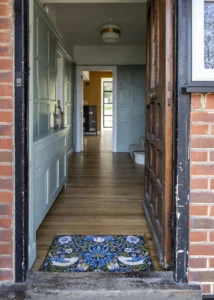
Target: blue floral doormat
[[88, 253]]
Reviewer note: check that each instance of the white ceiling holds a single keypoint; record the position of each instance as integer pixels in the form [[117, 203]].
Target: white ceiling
[[80, 24]]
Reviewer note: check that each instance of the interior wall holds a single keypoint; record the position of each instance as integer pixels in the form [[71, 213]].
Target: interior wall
[[110, 55], [131, 92], [92, 92]]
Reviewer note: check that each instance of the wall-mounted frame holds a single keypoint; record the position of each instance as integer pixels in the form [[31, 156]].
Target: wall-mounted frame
[[200, 46]]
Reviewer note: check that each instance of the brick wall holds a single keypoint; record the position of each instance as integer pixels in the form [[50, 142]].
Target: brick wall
[[201, 264], [6, 140]]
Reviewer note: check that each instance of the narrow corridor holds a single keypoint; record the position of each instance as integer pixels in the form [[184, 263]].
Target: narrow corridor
[[104, 196]]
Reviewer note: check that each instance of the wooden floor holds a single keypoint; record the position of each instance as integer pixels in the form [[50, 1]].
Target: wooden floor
[[104, 196]]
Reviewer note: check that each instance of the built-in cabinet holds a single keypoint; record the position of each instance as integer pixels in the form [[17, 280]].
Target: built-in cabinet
[[48, 147]]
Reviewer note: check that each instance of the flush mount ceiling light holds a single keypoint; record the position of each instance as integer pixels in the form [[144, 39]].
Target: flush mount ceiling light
[[110, 33]]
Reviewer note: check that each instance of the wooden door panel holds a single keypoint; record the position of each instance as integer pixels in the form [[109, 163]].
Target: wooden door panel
[[158, 163]]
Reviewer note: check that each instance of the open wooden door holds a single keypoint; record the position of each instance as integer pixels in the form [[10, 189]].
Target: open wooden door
[[158, 140]]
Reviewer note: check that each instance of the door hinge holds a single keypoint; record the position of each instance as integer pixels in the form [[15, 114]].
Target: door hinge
[[171, 221]]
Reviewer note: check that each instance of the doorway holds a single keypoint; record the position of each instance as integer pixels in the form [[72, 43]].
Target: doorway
[[81, 84]]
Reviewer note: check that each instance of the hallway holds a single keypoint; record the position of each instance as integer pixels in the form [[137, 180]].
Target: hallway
[[103, 196]]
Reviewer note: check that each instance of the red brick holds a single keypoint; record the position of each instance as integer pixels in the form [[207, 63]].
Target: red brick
[[212, 184], [6, 50], [206, 288], [5, 10], [212, 130], [202, 197], [5, 223], [197, 262], [6, 184], [6, 144], [196, 210], [5, 156], [6, 236], [198, 183], [198, 156], [5, 89], [6, 63], [202, 223], [201, 249], [203, 276], [5, 170], [211, 262], [6, 116], [210, 101], [6, 210], [6, 249], [199, 129], [6, 103], [196, 101], [212, 211], [6, 77], [6, 275], [212, 155], [6, 262], [6, 197], [212, 236], [6, 130], [198, 236], [6, 23], [202, 169], [5, 37], [197, 116], [202, 142]]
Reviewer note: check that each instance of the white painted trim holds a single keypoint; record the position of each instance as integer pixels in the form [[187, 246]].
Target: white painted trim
[[31, 234], [199, 73], [79, 104], [64, 52], [93, 1], [102, 80], [46, 17], [70, 152]]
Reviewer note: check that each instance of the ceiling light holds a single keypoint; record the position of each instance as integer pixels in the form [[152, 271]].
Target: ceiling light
[[110, 33]]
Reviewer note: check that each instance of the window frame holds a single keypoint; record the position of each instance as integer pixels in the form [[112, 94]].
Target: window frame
[[111, 91], [199, 78]]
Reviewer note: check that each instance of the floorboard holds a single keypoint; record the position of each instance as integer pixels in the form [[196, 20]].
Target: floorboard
[[104, 196]]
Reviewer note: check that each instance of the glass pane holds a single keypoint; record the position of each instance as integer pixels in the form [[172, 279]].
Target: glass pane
[[108, 121], [209, 34], [107, 86], [108, 97], [108, 110]]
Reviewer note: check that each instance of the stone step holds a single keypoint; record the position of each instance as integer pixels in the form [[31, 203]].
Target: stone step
[[96, 286], [139, 158], [135, 148]]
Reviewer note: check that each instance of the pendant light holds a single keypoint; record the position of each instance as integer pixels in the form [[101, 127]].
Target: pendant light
[[110, 33]]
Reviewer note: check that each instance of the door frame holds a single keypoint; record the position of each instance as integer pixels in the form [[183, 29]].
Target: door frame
[[181, 114], [78, 118]]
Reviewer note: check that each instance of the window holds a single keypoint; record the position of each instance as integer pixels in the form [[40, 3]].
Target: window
[[201, 42], [107, 104]]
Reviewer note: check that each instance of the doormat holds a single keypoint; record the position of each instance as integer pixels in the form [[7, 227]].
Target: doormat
[[89, 253]]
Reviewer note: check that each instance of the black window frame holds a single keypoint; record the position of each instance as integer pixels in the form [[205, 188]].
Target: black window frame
[[111, 91]]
